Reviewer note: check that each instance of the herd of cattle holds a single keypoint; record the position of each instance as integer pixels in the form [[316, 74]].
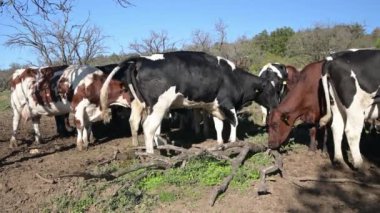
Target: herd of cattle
[[341, 91]]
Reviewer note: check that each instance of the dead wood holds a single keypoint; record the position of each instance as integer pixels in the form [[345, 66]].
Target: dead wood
[[335, 180], [236, 163], [235, 153], [51, 181], [114, 156]]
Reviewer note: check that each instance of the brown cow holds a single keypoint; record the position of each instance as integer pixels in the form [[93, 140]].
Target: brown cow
[[81, 85], [33, 95], [305, 102]]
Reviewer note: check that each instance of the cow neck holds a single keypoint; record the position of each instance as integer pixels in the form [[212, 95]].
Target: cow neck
[[250, 84], [295, 103]]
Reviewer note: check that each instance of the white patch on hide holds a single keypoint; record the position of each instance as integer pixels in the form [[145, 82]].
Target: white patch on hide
[[273, 68], [232, 65], [155, 57]]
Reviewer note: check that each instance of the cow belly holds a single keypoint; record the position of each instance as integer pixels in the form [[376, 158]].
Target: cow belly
[[56, 108], [182, 102]]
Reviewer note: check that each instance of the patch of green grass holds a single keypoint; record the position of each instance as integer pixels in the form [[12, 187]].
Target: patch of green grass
[[251, 170], [165, 196], [126, 200], [189, 182], [5, 97], [67, 203]]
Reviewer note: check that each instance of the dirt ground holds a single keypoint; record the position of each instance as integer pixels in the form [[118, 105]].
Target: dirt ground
[[22, 191]]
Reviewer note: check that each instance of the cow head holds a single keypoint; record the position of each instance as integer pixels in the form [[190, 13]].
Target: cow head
[[267, 95], [279, 126], [277, 75]]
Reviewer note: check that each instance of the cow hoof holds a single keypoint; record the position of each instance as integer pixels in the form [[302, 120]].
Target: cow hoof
[[312, 148], [311, 152], [262, 189], [324, 154], [135, 142], [339, 165], [13, 143], [80, 147], [38, 142]]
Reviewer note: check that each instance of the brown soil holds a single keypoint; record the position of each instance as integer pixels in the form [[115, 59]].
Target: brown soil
[[22, 191]]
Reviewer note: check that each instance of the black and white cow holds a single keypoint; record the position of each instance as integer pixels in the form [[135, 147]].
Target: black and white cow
[[352, 78], [276, 74], [189, 80], [282, 77]]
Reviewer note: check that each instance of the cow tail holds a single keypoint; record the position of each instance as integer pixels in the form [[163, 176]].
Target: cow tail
[[327, 117], [229, 116], [104, 95], [25, 113], [132, 84]]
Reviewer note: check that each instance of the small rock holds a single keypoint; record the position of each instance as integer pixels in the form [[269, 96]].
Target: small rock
[[34, 151]]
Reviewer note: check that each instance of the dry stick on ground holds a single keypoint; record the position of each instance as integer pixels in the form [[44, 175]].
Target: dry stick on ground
[[45, 179], [159, 162], [236, 163], [278, 167], [114, 156], [334, 180], [219, 152]]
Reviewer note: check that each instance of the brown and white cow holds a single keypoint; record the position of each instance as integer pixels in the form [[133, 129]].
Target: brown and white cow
[[33, 95], [305, 101], [81, 85]]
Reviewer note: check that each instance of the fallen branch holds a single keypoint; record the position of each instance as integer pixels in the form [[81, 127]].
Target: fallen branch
[[45, 179], [160, 162], [236, 163], [335, 180], [114, 156]]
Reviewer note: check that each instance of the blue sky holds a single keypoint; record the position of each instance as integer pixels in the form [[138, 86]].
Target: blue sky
[[180, 18]]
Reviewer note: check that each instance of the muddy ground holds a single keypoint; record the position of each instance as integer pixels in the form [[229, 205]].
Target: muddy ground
[[22, 191]]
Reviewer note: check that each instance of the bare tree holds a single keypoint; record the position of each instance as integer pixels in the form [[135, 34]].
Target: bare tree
[[221, 30], [52, 34], [202, 41], [157, 42], [43, 8]]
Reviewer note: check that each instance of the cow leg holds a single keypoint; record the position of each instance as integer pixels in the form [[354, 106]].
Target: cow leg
[[206, 124], [313, 142], [86, 135], [157, 133], [265, 114], [16, 121], [354, 127], [59, 123], [68, 127], [153, 121], [80, 122], [134, 120], [36, 124], [79, 138], [219, 129], [337, 128], [196, 121], [233, 128]]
